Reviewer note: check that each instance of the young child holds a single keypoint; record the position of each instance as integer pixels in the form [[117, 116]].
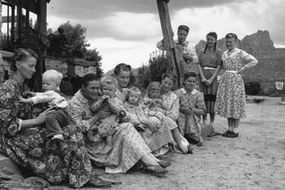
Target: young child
[[152, 102], [108, 101], [59, 117], [154, 132]]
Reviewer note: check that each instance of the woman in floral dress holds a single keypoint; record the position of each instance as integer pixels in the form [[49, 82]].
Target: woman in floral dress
[[54, 161], [231, 97]]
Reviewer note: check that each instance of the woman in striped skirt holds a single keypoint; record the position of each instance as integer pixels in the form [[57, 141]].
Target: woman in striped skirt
[[209, 66]]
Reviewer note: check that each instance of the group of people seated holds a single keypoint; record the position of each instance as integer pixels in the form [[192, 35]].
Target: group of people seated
[[107, 123]]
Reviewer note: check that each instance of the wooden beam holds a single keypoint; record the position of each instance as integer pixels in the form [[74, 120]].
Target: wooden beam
[[172, 51]]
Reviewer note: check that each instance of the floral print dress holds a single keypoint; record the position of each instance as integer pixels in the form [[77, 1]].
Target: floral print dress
[[188, 124], [54, 161], [127, 145], [231, 98]]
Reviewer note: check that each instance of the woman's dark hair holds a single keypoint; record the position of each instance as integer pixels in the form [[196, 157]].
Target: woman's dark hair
[[20, 55], [122, 67], [169, 75], [87, 78], [183, 27], [231, 35], [214, 35]]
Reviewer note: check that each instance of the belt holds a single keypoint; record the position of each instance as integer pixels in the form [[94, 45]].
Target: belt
[[231, 71], [209, 68]]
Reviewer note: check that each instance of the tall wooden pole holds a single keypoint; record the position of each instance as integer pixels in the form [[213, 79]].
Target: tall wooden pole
[[172, 52]]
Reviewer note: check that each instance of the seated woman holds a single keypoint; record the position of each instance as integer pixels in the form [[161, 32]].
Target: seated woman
[[54, 161], [128, 146], [192, 106], [171, 102]]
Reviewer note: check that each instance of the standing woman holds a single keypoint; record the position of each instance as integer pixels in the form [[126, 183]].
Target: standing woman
[[231, 97], [209, 66]]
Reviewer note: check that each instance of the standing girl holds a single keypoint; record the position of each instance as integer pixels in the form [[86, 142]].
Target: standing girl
[[231, 97], [209, 66]]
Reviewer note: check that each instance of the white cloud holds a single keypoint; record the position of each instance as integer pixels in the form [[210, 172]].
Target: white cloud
[[130, 37], [115, 51]]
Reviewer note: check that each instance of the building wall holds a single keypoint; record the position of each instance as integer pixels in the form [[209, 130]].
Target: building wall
[[0, 23]]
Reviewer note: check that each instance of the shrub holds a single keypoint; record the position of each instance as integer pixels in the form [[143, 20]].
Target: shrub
[[252, 88]]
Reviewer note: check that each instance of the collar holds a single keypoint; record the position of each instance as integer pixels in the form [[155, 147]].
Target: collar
[[194, 91], [80, 97], [183, 43], [233, 51]]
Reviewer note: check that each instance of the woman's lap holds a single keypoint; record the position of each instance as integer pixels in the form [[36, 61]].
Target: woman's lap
[[128, 148], [54, 161]]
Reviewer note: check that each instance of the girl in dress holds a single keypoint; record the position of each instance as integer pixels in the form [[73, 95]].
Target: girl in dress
[[231, 97], [209, 66]]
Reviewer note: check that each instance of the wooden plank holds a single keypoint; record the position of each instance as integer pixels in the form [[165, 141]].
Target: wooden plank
[[173, 53]]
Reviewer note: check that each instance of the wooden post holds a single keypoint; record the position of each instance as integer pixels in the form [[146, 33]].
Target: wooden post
[[172, 52], [1, 23], [42, 31]]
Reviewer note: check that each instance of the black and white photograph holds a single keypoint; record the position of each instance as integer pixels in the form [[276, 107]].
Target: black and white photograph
[[142, 94]]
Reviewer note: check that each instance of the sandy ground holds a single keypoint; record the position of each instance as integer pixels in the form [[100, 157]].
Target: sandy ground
[[254, 160]]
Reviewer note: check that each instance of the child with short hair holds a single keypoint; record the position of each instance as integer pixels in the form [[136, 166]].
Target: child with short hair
[[59, 117], [108, 101]]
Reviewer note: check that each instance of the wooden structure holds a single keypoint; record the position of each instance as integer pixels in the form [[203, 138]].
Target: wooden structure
[[21, 34], [173, 52], [77, 67]]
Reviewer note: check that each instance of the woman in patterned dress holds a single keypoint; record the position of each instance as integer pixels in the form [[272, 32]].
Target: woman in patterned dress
[[209, 66], [231, 97], [192, 106], [127, 148], [23, 141], [171, 100]]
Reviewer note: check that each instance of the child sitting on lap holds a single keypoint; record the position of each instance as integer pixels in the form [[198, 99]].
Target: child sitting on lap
[[152, 102], [108, 101], [59, 117]]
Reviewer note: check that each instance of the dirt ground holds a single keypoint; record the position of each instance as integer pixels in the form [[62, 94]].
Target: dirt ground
[[254, 160]]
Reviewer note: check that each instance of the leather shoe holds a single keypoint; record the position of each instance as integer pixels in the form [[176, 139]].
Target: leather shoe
[[232, 135], [225, 134], [164, 163], [97, 182], [156, 170]]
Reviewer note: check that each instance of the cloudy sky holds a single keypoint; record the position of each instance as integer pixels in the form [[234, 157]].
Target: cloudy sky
[[127, 30]]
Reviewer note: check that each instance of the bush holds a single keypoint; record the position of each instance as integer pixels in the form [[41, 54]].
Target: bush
[[252, 88]]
